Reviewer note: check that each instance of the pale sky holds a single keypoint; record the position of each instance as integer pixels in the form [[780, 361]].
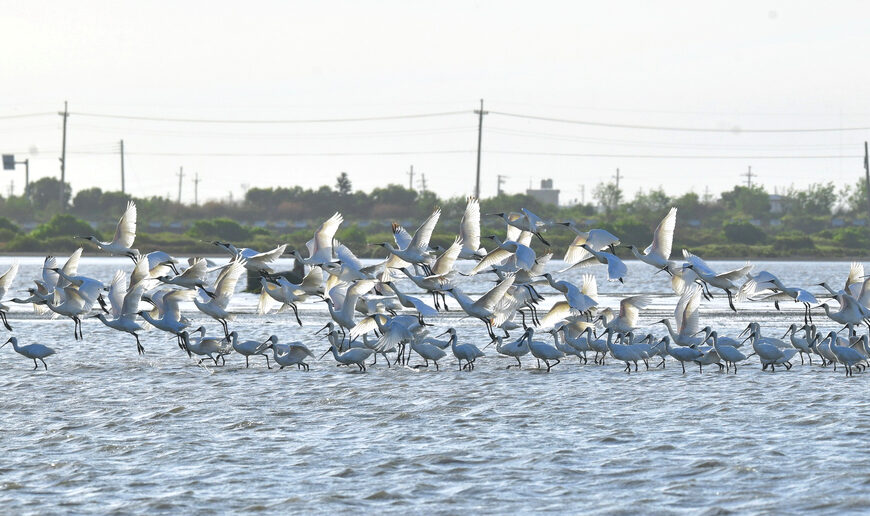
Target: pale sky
[[750, 65]]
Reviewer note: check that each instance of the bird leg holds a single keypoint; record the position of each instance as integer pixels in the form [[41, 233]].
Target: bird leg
[[538, 234], [35, 365], [730, 299], [296, 313], [44, 364], [139, 347], [5, 322]]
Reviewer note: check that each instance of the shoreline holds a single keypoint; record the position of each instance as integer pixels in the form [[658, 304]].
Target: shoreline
[[94, 254]]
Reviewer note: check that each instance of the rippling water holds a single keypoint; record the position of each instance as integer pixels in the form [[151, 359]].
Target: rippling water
[[105, 431]]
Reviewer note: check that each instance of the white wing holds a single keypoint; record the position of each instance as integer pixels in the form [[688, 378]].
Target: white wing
[[7, 278], [141, 271], [597, 239], [525, 238], [698, 263], [736, 274], [312, 281], [616, 268], [489, 300], [629, 308], [226, 285], [401, 236], [590, 286], [687, 311], [557, 313], [117, 291], [269, 256], [171, 300], [131, 300], [664, 236], [525, 257], [424, 232], [323, 236], [579, 301], [856, 276], [424, 309], [444, 263], [494, 257], [469, 227], [125, 233], [365, 325], [534, 221], [265, 302], [514, 233], [71, 267], [49, 277], [347, 258], [197, 271]]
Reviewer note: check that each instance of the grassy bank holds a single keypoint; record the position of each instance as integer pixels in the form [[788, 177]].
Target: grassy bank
[[56, 237]]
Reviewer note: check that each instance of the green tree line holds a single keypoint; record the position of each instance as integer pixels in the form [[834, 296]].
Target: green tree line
[[739, 223]]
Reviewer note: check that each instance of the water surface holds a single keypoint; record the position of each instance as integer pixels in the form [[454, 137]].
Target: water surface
[[106, 431]]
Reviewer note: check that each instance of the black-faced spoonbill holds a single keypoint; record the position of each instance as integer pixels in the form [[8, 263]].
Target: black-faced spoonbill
[[32, 351]]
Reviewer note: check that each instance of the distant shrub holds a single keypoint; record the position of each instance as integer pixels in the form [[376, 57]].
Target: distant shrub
[[744, 233], [220, 229], [9, 226], [853, 237], [793, 241], [63, 226], [24, 243]]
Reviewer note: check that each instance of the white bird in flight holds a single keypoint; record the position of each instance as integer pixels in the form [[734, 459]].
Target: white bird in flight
[[125, 234]]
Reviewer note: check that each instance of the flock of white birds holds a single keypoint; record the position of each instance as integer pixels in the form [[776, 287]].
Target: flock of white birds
[[371, 316]]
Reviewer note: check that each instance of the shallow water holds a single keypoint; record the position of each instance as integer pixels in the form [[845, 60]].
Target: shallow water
[[105, 431]]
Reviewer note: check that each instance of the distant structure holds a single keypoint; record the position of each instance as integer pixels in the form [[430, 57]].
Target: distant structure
[[776, 203], [546, 194]]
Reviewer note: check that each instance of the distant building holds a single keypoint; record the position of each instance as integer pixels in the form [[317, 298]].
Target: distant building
[[776, 203], [546, 194]]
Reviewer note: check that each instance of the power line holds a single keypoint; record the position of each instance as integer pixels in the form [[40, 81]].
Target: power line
[[671, 144], [25, 115], [283, 121], [669, 156], [279, 136], [735, 130], [275, 154]]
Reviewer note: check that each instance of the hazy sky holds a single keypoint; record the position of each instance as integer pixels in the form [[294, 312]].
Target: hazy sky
[[749, 65]]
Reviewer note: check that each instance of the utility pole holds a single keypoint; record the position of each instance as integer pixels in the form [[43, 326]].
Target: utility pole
[[500, 181], [867, 174], [480, 114], [423, 182], [65, 115], [196, 189], [749, 175], [180, 177], [27, 178], [617, 179], [411, 178], [123, 189]]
